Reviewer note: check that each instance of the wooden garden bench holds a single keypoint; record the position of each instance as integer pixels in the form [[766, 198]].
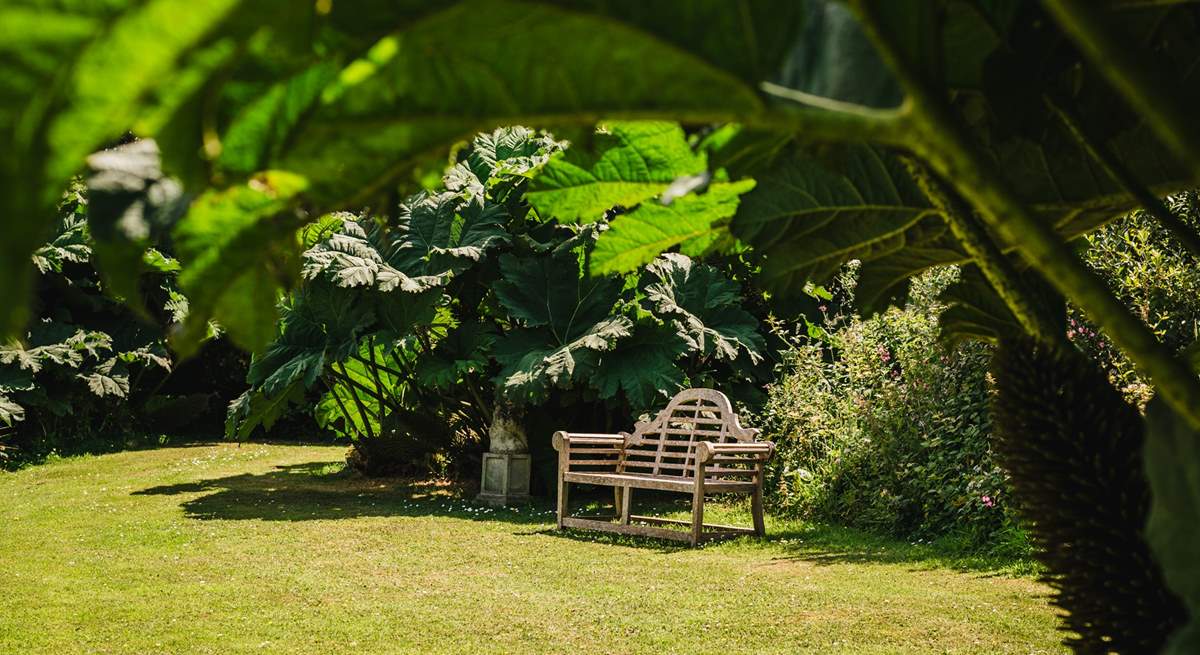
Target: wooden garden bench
[[695, 446]]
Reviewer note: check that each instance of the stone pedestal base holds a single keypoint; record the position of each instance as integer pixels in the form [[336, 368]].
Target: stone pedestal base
[[505, 479]]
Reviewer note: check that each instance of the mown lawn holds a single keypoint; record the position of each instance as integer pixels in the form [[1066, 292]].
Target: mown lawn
[[273, 549]]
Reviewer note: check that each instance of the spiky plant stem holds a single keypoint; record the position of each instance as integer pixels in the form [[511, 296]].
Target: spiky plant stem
[[1073, 449]]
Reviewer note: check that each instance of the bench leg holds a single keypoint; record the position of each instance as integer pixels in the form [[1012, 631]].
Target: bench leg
[[562, 499], [698, 507], [626, 499], [756, 508]]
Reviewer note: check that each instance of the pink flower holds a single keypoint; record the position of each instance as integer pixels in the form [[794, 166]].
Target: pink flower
[[987, 501], [823, 308]]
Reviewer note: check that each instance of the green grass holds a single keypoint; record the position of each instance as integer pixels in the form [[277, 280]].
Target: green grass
[[273, 549]]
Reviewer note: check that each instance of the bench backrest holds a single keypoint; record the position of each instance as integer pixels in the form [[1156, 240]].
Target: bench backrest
[[666, 444]]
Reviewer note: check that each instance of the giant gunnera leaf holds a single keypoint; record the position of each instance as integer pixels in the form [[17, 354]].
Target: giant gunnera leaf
[[436, 236], [565, 320], [354, 256], [503, 153], [692, 222], [447, 231], [13, 379], [703, 306], [649, 172], [630, 163], [234, 248], [71, 244], [643, 366], [813, 211]]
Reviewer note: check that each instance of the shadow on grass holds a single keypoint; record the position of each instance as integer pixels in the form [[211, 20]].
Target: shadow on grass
[[823, 545], [325, 490]]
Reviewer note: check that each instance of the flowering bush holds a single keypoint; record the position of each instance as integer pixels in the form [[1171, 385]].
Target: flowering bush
[[1159, 281], [881, 426]]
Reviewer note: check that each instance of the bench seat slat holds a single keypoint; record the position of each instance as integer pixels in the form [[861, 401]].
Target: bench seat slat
[[660, 482]]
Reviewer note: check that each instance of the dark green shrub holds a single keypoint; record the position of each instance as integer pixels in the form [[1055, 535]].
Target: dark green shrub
[[71, 380], [90, 373]]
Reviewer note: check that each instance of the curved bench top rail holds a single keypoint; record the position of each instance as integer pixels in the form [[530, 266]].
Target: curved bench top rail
[[666, 444]]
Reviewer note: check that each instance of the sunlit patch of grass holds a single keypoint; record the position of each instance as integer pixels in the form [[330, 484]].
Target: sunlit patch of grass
[[219, 548]]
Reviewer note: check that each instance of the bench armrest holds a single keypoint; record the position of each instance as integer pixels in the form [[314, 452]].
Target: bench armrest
[[589, 452], [563, 439], [706, 450]]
